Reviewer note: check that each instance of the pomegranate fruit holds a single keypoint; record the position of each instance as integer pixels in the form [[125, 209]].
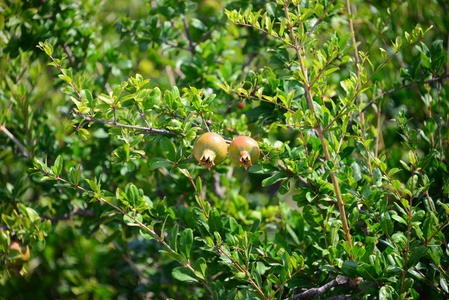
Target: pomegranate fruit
[[244, 151], [210, 149]]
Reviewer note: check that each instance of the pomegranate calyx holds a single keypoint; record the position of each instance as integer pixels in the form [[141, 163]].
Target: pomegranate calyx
[[245, 159], [207, 158]]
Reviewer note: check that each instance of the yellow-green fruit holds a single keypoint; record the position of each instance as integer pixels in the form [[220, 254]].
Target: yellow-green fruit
[[210, 149], [244, 151]]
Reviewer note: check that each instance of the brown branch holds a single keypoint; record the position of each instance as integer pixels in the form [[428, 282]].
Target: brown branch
[[319, 291], [204, 122], [22, 148], [354, 42], [221, 252], [141, 114], [126, 257], [144, 227], [200, 198], [426, 242], [189, 37], [206, 36], [299, 177], [284, 283], [69, 54], [341, 206], [147, 130], [173, 44]]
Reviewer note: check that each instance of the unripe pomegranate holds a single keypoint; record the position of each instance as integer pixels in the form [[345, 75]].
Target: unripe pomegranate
[[210, 149], [244, 151]]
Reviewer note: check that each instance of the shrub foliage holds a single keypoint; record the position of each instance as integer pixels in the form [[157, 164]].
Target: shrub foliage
[[100, 106]]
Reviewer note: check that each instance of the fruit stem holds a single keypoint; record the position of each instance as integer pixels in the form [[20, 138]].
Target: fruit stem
[[207, 159]]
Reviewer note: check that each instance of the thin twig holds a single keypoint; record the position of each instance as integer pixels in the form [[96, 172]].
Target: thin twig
[[319, 291], [204, 122], [321, 132], [152, 232], [429, 282], [299, 177], [142, 115], [206, 36], [200, 198], [447, 65], [284, 283], [320, 18], [379, 129], [69, 54], [403, 87], [170, 74], [147, 130], [189, 37], [16, 141], [173, 44], [363, 86], [354, 42], [126, 257], [243, 270]]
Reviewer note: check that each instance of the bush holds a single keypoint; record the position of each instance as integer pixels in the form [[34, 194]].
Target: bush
[[347, 101]]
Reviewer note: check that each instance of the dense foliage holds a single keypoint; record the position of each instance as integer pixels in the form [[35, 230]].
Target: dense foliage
[[101, 103]]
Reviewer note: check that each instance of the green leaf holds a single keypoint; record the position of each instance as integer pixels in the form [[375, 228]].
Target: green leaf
[[356, 171], [393, 171], [398, 218], [131, 222], [136, 140], [185, 172], [65, 78], [132, 194], [416, 254], [262, 169], [176, 256], [32, 214], [146, 235], [168, 148], [273, 179], [350, 268], [417, 216], [199, 185], [443, 284], [185, 242], [386, 293], [386, 223], [214, 222], [292, 234], [201, 268], [4, 241], [173, 237], [330, 71], [416, 274], [57, 167], [158, 162], [184, 274]]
